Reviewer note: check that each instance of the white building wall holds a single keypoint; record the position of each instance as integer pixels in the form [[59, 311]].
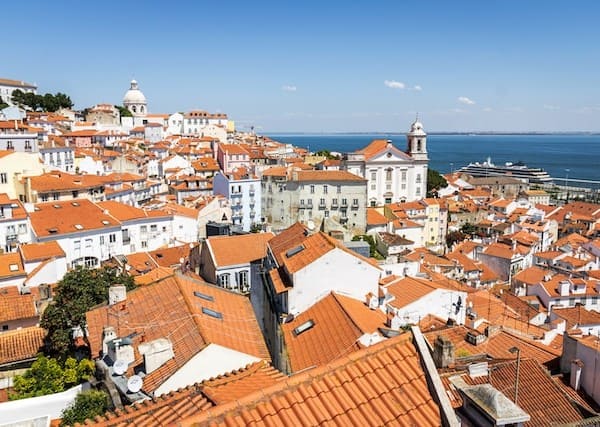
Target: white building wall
[[212, 361], [440, 302], [92, 243], [185, 229], [336, 271], [51, 272]]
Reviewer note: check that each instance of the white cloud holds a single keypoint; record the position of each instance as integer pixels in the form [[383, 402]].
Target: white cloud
[[418, 88], [487, 109], [465, 100], [551, 107], [289, 88], [394, 84]]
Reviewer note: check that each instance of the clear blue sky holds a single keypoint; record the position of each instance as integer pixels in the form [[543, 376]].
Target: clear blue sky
[[322, 66]]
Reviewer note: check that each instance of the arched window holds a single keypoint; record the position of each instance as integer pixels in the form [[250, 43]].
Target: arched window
[[133, 109], [142, 110], [418, 145]]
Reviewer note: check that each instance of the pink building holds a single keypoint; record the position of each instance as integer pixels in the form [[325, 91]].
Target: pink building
[[231, 157]]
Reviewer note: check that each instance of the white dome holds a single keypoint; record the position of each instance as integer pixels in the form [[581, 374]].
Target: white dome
[[134, 95], [417, 128]]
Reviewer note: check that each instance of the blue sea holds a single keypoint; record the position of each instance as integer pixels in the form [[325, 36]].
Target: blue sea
[[574, 156]]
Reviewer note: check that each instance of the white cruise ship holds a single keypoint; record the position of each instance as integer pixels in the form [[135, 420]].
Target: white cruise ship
[[515, 170]]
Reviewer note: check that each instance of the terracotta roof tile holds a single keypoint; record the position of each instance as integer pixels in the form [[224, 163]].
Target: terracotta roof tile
[[497, 345], [69, 217], [577, 316], [21, 344], [287, 239], [41, 251], [375, 218], [237, 329], [338, 323], [14, 306], [381, 385], [539, 396], [242, 249], [11, 265], [193, 399]]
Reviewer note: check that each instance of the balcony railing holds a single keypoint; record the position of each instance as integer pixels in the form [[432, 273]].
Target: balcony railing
[[344, 204]]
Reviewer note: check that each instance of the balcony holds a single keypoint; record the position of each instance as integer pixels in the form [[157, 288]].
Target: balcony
[[236, 194], [334, 205], [344, 203], [322, 206], [354, 206], [252, 202], [252, 192], [237, 215], [309, 206], [252, 214]]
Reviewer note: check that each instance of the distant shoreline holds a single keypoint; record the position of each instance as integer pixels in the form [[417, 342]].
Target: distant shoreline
[[494, 133]]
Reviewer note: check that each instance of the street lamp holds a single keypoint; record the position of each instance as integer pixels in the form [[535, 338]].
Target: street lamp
[[517, 350]]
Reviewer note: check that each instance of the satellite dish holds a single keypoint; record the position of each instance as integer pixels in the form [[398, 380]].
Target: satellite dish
[[120, 367], [310, 224], [134, 384]]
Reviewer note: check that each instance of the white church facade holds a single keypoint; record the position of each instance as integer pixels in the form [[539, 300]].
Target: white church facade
[[392, 175]]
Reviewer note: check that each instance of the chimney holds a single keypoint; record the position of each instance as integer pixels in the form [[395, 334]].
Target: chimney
[[576, 372], [108, 334], [443, 352], [156, 353], [117, 294], [372, 301], [492, 330]]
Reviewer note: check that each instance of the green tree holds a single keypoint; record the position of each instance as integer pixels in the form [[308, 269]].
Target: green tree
[[63, 101], [453, 237], [87, 405], [78, 291], [47, 102], [3, 104], [47, 376], [124, 112], [435, 181], [469, 229], [373, 253], [327, 153]]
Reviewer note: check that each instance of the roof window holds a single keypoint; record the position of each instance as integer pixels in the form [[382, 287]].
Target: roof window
[[304, 327], [212, 313], [79, 226], [204, 296], [294, 251], [13, 267]]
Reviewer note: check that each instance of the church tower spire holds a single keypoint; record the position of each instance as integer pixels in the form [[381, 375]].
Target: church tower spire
[[417, 141]]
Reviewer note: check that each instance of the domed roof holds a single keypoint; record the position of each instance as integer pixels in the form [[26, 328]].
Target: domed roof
[[134, 95], [417, 128]]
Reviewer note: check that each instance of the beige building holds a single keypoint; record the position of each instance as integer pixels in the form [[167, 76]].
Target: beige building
[[103, 114], [14, 166], [330, 200]]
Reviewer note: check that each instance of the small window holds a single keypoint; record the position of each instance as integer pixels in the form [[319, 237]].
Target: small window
[[204, 296], [304, 327], [212, 313]]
